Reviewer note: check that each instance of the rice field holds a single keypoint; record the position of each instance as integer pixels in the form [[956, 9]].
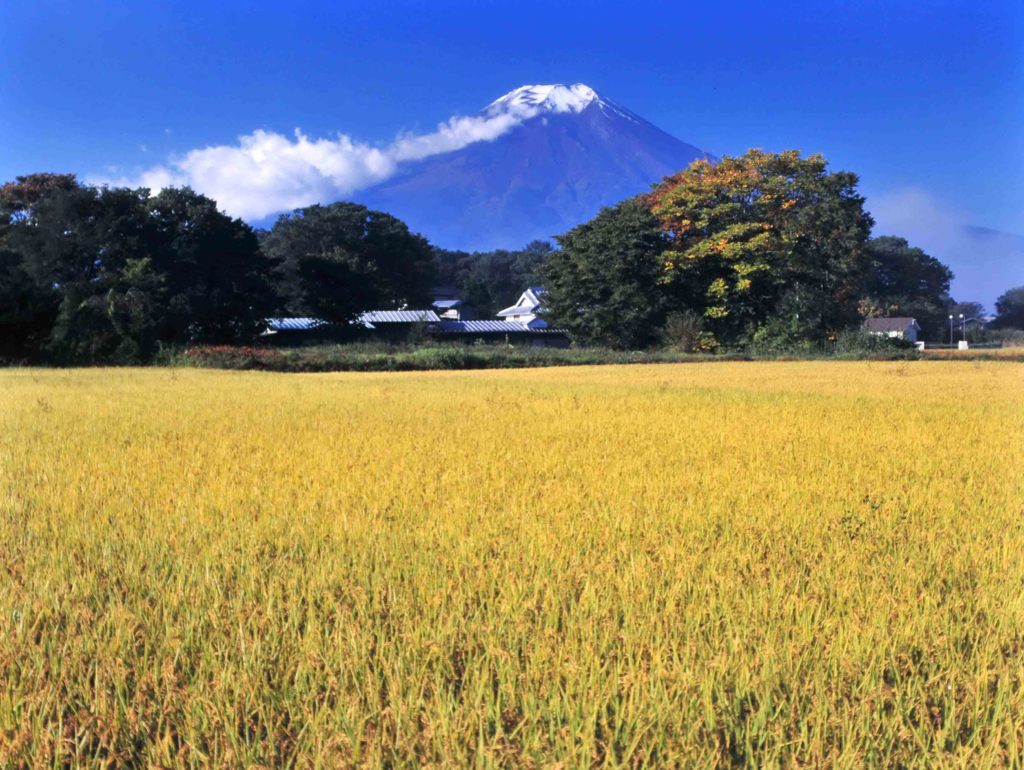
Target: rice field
[[793, 564]]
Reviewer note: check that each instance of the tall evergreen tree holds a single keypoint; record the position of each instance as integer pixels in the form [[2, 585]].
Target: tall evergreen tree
[[338, 260], [1010, 309], [603, 285], [217, 280], [903, 280]]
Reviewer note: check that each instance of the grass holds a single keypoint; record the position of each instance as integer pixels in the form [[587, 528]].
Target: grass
[[376, 357], [713, 565], [1011, 353]]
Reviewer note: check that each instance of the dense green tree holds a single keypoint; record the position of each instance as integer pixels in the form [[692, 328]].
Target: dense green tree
[[492, 280], [604, 284], [88, 244], [902, 280], [1010, 309], [972, 311], [764, 236], [336, 261], [216, 279], [27, 309], [126, 272]]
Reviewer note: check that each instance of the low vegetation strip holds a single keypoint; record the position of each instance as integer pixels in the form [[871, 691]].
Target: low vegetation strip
[[739, 564], [384, 358]]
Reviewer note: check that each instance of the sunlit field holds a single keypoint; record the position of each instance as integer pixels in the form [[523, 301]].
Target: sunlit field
[[698, 565], [1012, 353]]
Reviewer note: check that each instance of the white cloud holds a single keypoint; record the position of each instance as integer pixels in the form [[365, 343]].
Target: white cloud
[[266, 172], [456, 133], [984, 262]]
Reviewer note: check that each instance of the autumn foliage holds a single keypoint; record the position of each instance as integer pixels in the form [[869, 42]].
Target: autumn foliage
[[763, 237]]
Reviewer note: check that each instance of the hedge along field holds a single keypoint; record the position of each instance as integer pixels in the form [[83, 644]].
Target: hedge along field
[[707, 565]]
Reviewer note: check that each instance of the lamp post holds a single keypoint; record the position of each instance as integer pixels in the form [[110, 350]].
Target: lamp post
[[951, 330], [963, 327]]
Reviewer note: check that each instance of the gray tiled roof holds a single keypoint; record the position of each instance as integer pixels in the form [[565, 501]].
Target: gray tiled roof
[[294, 324], [375, 317], [492, 327]]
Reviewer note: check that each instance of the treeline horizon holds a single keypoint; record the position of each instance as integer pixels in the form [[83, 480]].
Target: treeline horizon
[[761, 249]]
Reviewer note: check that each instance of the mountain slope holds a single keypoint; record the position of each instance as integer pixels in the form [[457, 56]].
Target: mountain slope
[[568, 153]]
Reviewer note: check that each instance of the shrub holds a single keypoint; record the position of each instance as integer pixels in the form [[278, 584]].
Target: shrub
[[860, 344], [233, 357], [1008, 338], [685, 332]]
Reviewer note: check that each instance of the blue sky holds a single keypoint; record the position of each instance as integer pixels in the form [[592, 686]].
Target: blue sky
[[925, 100]]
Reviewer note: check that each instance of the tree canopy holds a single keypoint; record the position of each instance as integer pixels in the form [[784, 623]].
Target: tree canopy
[[762, 236], [902, 280], [491, 280], [1010, 309], [97, 274], [763, 249], [338, 260], [604, 284]]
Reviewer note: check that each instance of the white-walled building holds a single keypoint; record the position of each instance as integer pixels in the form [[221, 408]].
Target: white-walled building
[[527, 310]]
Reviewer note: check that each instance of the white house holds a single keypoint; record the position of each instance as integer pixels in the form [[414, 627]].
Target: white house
[[900, 328], [528, 310]]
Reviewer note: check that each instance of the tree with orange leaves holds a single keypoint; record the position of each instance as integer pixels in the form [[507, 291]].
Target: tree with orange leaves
[[764, 243]]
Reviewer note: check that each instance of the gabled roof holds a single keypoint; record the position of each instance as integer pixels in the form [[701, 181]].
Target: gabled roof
[[894, 324], [445, 304], [528, 302]]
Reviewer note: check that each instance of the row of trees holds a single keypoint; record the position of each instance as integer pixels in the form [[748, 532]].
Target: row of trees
[[94, 274], [90, 274], [763, 248], [491, 280]]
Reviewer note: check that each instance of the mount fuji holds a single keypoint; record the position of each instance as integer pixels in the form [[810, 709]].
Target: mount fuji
[[567, 152]]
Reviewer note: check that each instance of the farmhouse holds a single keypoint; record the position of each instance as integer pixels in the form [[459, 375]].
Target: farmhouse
[[450, 319], [899, 328]]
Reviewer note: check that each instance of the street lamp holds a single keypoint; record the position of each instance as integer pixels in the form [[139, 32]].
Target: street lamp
[[951, 330], [963, 327]]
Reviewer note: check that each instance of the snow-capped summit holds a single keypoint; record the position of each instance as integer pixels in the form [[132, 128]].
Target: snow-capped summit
[[562, 152], [549, 98]]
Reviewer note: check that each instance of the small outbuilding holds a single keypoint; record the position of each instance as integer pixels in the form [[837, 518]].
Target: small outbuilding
[[898, 328]]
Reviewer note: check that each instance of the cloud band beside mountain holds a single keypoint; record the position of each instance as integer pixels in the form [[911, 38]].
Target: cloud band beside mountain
[[266, 172]]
